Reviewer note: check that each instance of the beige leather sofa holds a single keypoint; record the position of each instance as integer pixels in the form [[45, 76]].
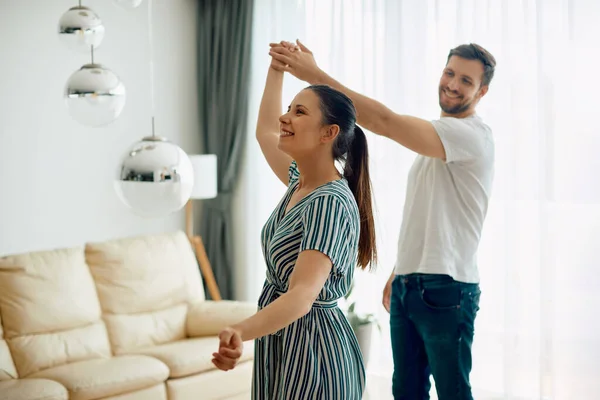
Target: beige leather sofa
[[124, 319]]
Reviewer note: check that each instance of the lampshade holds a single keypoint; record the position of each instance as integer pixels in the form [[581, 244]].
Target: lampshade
[[205, 176], [95, 95], [155, 178], [80, 28]]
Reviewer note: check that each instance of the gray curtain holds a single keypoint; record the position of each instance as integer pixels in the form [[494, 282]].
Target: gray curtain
[[224, 36]]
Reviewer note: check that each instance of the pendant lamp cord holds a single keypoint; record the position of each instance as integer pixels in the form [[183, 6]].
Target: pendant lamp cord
[[152, 109]]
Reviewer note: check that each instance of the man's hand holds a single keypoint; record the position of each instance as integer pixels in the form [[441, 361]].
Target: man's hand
[[230, 349], [387, 293], [299, 63]]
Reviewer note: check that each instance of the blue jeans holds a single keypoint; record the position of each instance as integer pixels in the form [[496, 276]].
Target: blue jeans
[[432, 320]]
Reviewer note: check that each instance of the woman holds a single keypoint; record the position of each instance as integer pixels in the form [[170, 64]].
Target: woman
[[305, 348]]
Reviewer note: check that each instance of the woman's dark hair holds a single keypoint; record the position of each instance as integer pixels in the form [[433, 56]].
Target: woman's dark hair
[[350, 146]]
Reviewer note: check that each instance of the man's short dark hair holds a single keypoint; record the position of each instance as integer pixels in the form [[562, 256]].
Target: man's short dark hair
[[474, 51]]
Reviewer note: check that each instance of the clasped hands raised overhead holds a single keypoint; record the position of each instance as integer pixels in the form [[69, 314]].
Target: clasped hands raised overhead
[[296, 59]]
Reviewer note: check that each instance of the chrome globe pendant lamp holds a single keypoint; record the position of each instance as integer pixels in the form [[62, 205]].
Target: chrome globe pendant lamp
[[80, 27], [155, 177], [94, 95]]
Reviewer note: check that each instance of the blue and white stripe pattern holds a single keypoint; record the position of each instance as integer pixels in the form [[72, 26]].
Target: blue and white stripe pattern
[[316, 357]]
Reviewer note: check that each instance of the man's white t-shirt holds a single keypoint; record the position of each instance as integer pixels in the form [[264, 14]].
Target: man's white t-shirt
[[447, 201]]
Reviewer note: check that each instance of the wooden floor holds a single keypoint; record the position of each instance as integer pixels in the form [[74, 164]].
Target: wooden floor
[[380, 388]]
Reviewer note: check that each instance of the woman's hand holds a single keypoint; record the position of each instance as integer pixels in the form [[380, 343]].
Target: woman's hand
[[276, 64], [231, 348], [297, 60]]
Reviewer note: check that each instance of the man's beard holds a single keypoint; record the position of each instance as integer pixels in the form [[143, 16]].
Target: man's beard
[[455, 109]]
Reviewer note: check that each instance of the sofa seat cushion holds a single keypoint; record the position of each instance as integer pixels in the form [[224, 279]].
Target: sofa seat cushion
[[93, 379], [32, 389], [191, 356], [216, 385]]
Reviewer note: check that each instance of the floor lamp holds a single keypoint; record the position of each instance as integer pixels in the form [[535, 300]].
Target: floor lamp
[[205, 187]]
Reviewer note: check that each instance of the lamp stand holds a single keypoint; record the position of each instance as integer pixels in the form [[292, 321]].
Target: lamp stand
[[198, 246]]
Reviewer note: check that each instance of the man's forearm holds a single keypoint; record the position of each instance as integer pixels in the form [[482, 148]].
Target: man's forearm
[[414, 133], [371, 114]]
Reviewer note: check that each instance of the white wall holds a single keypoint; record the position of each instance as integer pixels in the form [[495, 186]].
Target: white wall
[[55, 174]]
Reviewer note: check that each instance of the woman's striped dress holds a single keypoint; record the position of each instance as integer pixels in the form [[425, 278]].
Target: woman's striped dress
[[317, 357]]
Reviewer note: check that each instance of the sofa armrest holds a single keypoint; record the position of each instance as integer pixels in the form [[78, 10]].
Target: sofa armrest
[[208, 318]]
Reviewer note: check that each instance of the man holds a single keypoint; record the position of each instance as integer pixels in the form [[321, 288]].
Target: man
[[433, 293]]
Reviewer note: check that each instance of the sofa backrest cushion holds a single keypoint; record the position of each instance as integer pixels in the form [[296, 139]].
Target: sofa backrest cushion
[[145, 284], [50, 310]]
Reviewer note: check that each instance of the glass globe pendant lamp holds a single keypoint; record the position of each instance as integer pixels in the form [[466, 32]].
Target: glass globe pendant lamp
[[155, 177], [95, 96], [79, 28]]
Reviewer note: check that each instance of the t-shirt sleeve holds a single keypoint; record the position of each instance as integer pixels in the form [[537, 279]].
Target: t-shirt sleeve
[[293, 173], [463, 140], [328, 229]]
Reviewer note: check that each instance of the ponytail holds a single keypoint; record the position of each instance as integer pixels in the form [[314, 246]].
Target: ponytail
[[351, 146], [356, 172]]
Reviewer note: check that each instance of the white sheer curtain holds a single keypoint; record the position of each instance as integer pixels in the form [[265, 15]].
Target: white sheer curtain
[[537, 334]]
